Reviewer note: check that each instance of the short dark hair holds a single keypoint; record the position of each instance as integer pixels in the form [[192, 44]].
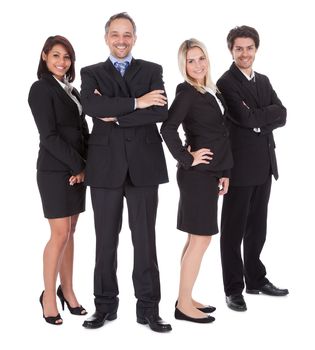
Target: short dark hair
[[49, 44], [242, 32], [120, 15]]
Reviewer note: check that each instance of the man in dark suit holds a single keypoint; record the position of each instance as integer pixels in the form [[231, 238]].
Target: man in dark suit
[[125, 97], [255, 111]]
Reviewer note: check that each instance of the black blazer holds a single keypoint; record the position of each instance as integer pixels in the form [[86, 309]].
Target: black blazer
[[253, 153], [134, 145], [62, 131], [204, 127]]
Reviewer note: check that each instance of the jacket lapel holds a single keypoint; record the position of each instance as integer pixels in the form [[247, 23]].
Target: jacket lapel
[[132, 70], [116, 76], [60, 91], [211, 99], [244, 82], [220, 97]]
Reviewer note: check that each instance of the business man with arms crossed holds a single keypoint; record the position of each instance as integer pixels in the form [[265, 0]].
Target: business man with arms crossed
[[125, 97], [255, 111]]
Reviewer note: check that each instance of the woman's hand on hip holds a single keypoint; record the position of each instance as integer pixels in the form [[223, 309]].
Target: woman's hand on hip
[[201, 156]]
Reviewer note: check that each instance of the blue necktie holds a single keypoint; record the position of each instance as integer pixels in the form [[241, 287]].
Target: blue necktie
[[121, 67]]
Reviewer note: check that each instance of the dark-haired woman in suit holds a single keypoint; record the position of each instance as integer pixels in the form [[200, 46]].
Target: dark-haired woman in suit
[[63, 133], [203, 167]]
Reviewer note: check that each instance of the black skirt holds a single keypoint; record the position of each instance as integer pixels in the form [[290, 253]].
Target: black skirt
[[198, 201], [59, 199]]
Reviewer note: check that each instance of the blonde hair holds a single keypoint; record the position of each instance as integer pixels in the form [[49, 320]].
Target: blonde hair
[[182, 63]]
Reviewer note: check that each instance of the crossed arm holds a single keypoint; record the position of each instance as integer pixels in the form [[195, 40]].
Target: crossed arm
[[150, 107], [267, 118]]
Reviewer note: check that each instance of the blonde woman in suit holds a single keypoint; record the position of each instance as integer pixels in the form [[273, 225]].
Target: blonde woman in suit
[[203, 167], [63, 133]]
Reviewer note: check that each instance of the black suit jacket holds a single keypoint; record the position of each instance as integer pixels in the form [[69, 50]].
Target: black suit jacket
[[63, 132], [204, 127], [251, 107], [134, 145]]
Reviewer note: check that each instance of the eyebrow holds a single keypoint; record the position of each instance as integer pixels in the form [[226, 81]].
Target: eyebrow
[[193, 58], [242, 47], [117, 32], [56, 51]]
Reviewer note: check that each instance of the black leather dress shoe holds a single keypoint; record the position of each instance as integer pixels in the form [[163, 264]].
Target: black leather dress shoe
[[155, 323], [98, 319], [181, 316], [268, 289], [207, 309], [236, 302]]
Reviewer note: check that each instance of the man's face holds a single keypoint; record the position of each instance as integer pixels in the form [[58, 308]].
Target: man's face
[[120, 38], [243, 53]]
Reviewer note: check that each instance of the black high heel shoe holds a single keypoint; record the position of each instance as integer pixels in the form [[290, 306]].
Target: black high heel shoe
[[207, 309], [50, 319], [78, 310]]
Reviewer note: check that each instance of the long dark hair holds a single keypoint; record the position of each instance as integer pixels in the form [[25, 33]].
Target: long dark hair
[[49, 44]]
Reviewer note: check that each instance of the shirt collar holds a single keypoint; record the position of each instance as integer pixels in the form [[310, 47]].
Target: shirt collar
[[114, 59], [252, 76], [64, 84]]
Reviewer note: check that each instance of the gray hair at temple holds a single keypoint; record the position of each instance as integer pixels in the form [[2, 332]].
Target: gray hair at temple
[[182, 63], [120, 15]]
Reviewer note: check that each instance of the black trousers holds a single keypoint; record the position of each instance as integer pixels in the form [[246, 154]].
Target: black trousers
[[244, 219], [108, 208]]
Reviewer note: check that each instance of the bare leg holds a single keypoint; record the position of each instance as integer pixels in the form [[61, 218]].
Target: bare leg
[[53, 253], [190, 265], [194, 302], [185, 248], [66, 267]]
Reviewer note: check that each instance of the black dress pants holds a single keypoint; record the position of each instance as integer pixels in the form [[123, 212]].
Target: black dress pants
[[244, 219], [108, 208]]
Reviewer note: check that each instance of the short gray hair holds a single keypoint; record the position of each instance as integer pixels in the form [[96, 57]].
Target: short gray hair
[[120, 15]]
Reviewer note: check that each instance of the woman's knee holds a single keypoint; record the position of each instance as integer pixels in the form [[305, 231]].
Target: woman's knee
[[60, 235], [200, 242]]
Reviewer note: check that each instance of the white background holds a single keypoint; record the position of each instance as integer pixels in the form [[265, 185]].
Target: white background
[[286, 55]]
